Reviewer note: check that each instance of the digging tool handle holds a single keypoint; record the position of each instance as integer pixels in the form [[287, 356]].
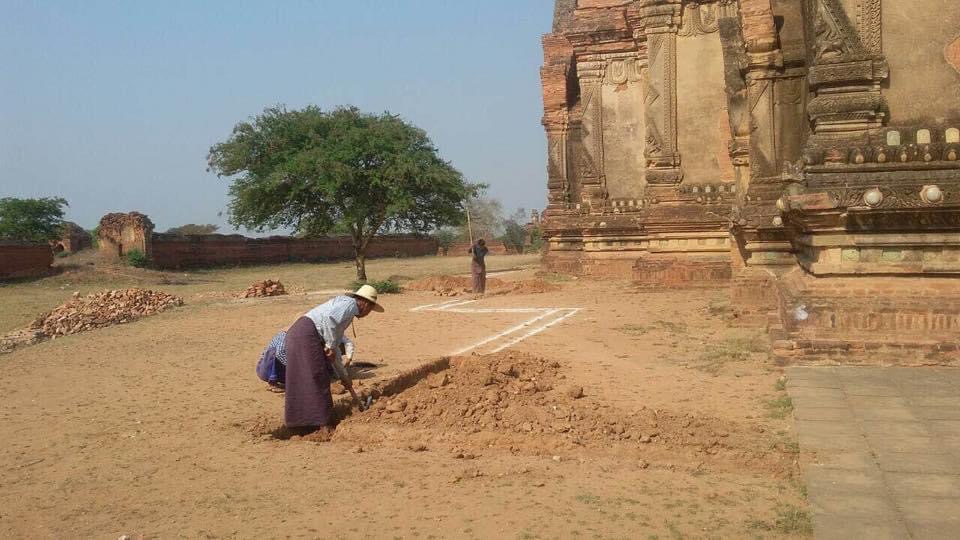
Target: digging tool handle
[[469, 225], [356, 398]]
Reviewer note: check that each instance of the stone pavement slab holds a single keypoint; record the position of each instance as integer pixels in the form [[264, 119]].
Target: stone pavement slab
[[880, 450]]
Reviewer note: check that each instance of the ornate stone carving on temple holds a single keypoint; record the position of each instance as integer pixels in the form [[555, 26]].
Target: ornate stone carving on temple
[[805, 153]]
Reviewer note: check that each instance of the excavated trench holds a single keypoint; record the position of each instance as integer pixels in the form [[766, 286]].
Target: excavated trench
[[524, 404]]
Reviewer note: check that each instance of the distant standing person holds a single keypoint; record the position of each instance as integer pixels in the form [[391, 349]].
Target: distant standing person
[[310, 344], [478, 268]]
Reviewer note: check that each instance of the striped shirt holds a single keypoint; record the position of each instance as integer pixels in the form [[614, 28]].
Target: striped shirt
[[278, 344], [332, 319]]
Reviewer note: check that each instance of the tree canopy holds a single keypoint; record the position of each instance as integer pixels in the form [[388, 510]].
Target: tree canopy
[[193, 228], [317, 171], [486, 218], [31, 220], [515, 231]]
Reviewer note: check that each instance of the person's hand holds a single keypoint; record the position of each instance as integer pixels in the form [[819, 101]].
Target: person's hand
[[347, 360], [328, 353]]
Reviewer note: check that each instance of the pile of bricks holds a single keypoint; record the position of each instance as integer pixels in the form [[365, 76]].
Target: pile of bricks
[[267, 287], [103, 309]]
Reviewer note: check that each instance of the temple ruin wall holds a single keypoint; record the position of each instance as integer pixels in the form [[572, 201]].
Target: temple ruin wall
[[807, 152]]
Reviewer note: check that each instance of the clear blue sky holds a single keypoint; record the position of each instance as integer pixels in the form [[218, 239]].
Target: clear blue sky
[[113, 105]]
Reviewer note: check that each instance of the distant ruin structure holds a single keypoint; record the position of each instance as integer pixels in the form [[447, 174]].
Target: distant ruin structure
[[118, 234], [803, 151], [73, 239]]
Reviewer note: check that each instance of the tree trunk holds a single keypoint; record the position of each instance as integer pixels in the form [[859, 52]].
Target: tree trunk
[[359, 251], [361, 240], [361, 261]]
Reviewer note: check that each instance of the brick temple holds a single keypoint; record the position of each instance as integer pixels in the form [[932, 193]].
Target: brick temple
[[802, 152]]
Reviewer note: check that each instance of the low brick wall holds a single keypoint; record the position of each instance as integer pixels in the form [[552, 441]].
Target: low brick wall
[[194, 251], [682, 271], [24, 260]]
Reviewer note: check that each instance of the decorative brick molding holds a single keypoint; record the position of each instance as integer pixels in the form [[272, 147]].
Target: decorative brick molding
[[952, 53]]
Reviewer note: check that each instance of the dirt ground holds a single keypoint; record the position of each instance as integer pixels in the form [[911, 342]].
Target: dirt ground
[[160, 428]]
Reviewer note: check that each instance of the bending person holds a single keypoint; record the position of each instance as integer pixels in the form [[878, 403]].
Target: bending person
[[311, 345]]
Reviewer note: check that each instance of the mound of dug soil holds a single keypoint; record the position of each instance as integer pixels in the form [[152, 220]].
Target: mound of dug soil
[[455, 286], [527, 286], [448, 285], [267, 287], [523, 403], [102, 309]]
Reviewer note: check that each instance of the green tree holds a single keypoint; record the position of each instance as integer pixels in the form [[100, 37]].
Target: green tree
[[515, 231], [536, 240], [486, 218], [31, 220], [446, 237], [193, 228], [315, 172]]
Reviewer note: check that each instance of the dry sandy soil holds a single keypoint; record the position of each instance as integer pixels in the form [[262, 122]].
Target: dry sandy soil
[[160, 428]]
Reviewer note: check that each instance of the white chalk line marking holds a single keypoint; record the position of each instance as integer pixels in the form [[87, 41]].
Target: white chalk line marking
[[506, 332], [536, 331], [421, 308], [448, 306], [453, 306]]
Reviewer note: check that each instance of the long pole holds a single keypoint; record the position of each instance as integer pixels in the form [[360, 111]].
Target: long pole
[[469, 226]]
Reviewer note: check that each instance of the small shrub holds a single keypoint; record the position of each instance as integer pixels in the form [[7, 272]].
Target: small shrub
[[383, 286], [789, 520], [387, 286], [588, 499], [750, 344], [737, 349], [136, 258], [634, 329], [555, 277], [792, 520], [780, 407]]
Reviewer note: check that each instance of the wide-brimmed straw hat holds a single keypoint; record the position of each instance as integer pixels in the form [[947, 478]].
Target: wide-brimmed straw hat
[[367, 292]]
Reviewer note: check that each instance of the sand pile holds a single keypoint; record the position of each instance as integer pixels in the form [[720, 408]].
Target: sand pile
[[448, 285], [526, 286], [523, 403], [455, 286], [102, 309], [267, 287]]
